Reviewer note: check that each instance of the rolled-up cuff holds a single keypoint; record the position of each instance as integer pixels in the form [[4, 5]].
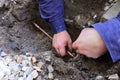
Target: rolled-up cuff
[[58, 26], [110, 33]]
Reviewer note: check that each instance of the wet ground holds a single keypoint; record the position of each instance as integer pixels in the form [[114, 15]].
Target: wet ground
[[19, 36]]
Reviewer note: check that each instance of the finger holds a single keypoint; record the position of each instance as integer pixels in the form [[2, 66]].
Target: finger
[[74, 46], [80, 51], [57, 49], [62, 51], [70, 46]]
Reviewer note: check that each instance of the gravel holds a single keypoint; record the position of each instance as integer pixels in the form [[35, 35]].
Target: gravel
[[24, 67]]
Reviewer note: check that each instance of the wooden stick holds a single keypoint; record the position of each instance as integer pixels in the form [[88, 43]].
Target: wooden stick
[[42, 30], [36, 25]]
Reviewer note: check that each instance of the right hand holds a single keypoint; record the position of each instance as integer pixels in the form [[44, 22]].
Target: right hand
[[60, 41]]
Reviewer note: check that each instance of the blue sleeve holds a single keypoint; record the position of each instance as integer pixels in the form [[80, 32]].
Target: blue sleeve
[[110, 33], [52, 11]]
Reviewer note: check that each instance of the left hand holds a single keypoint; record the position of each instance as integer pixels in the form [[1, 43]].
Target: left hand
[[89, 43]]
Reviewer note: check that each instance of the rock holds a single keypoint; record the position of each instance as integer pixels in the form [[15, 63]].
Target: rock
[[0, 49], [50, 76], [26, 63], [3, 54], [106, 8], [40, 64], [39, 78], [29, 54], [50, 68], [34, 60], [8, 59], [99, 78], [47, 56], [21, 78], [2, 2], [24, 57], [32, 75], [56, 79], [19, 59], [28, 70], [5, 78], [29, 58], [12, 77], [113, 11], [37, 68], [1, 75], [113, 77], [24, 68]]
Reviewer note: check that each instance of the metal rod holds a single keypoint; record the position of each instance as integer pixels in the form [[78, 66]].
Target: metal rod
[[36, 25]]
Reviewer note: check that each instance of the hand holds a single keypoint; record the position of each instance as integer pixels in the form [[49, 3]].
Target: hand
[[60, 41], [89, 43]]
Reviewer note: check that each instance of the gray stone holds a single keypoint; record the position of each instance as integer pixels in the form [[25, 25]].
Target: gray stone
[[32, 75], [39, 78], [47, 55], [21, 78], [0, 49], [28, 70], [50, 76], [113, 11], [3, 54], [1, 75], [99, 78], [40, 64], [2, 2], [56, 79], [114, 77], [50, 68]]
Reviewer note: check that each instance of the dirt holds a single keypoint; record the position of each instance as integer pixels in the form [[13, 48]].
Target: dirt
[[19, 36]]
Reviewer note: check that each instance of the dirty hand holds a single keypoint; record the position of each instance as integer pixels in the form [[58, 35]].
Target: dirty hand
[[60, 41], [89, 43]]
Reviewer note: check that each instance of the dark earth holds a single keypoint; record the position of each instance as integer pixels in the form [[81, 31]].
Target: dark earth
[[19, 36]]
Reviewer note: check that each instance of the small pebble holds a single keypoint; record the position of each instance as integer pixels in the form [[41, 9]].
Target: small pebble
[[32, 75], [1, 75], [28, 70], [37, 68], [50, 68], [34, 60], [39, 78], [0, 49], [99, 78], [3, 54], [106, 8], [50, 75], [40, 64], [21, 78], [114, 77], [19, 59]]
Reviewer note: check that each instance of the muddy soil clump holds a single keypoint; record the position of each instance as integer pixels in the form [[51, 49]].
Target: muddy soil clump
[[19, 36]]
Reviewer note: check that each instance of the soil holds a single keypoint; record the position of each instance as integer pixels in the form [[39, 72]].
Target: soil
[[19, 36]]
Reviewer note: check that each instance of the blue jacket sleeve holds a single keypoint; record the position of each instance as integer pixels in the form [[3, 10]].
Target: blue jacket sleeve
[[52, 11], [110, 33]]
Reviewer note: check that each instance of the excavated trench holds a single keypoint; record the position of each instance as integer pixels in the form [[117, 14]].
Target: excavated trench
[[19, 36]]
